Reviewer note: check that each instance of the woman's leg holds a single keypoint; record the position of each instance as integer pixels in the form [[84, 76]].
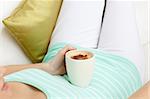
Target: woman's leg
[[119, 33], [79, 23]]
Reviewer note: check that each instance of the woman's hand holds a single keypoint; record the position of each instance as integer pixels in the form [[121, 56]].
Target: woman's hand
[[57, 65]]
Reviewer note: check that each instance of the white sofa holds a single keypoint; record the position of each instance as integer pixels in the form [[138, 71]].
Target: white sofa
[[10, 52]]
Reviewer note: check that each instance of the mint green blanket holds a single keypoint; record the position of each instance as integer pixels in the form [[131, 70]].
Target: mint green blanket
[[114, 77]]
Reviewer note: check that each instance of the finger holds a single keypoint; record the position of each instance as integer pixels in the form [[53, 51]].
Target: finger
[[68, 48]]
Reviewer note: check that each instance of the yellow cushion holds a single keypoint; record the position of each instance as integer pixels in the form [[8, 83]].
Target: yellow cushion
[[32, 24]]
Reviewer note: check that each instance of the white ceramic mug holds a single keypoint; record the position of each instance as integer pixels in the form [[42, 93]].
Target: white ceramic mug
[[80, 71]]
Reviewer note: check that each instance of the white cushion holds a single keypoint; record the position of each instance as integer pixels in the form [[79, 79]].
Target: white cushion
[[79, 23]]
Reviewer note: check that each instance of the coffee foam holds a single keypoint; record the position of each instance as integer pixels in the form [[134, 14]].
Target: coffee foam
[[78, 52]]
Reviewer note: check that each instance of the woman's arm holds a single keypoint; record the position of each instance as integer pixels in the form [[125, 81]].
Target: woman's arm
[[55, 66], [142, 93], [14, 68]]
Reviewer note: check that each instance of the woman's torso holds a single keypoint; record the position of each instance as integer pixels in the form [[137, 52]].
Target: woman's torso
[[24, 91]]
